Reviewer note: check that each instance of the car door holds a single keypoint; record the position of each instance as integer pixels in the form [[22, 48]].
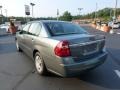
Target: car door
[[21, 36], [30, 37]]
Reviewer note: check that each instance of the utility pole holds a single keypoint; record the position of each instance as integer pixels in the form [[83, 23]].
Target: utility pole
[[57, 14], [32, 4]]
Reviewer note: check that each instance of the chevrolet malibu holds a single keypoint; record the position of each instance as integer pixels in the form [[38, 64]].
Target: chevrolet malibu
[[63, 48]]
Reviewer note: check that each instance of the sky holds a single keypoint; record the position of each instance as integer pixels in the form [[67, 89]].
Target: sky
[[48, 8]]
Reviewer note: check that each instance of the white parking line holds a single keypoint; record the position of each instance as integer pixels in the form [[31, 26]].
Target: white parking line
[[117, 72]]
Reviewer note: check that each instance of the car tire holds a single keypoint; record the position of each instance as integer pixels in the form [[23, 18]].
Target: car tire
[[40, 65], [17, 46]]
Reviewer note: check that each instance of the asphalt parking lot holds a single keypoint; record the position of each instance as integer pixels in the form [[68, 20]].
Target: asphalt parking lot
[[17, 71]]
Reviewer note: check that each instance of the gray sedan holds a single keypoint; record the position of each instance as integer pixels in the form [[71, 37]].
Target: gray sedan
[[61, 47]]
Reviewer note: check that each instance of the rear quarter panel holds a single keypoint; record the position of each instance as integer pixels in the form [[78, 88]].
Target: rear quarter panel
[[46, 47]]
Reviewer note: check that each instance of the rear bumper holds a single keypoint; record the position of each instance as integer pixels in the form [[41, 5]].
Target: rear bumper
[[77, 68]]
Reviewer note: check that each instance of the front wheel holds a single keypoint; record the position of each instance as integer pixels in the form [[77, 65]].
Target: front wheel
[[40, 65]]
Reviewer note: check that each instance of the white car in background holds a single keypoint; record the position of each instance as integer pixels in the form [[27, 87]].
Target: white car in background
[[5, 27], [114, 25]]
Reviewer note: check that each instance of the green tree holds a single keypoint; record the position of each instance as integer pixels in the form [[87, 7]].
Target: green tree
[[66, 16]]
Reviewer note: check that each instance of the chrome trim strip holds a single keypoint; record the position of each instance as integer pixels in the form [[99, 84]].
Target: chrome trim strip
[[86, 43], [88, 53]]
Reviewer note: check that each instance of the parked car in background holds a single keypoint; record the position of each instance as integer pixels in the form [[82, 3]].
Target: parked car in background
[[5, 27], [119, 24], [60, 47], [104, 24], [114, 25]]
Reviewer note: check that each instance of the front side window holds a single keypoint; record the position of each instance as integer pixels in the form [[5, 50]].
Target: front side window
[[26, 27], [64, 28], [35, 28]]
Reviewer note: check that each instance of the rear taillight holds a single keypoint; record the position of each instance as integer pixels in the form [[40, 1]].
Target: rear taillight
[[62, 49]]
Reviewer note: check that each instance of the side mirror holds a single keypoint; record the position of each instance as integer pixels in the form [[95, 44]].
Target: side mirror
[[20, 31]]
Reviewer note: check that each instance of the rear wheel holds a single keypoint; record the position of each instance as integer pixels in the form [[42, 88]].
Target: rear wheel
[[40, 65], [17, 46]]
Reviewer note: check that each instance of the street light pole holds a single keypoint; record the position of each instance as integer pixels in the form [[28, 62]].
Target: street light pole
[[116, 1], [96, 11], [32, 4], [79, 9], [110, 13], [6, 14], [1, 14], [1, 9], [114, 19]]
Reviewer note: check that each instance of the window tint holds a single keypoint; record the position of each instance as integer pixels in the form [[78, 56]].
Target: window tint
[[35, 28], [63, 28], [26, 27]]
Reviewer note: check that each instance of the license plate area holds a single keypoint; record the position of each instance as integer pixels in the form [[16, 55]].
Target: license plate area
[[90, 49]]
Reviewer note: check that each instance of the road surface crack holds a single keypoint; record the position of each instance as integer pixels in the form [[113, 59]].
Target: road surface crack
[[113, 57], [23, 79], [10, 74]]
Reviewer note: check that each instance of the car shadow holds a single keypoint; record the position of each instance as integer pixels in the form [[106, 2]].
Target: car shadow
[[101, 76], [7, 44], [7, 48]]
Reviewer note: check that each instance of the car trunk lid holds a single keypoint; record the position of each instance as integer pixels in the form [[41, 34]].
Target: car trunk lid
[[82, 46]]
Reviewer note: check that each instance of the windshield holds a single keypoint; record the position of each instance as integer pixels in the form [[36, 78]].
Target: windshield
[[64, 28]]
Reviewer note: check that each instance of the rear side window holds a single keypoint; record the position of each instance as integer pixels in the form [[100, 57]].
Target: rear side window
[[35, 28], [26, 27]]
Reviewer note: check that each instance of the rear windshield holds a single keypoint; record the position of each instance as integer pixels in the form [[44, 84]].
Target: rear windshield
[[63, 28]]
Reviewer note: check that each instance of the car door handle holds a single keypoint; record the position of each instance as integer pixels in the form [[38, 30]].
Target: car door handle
[[32, 40]]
